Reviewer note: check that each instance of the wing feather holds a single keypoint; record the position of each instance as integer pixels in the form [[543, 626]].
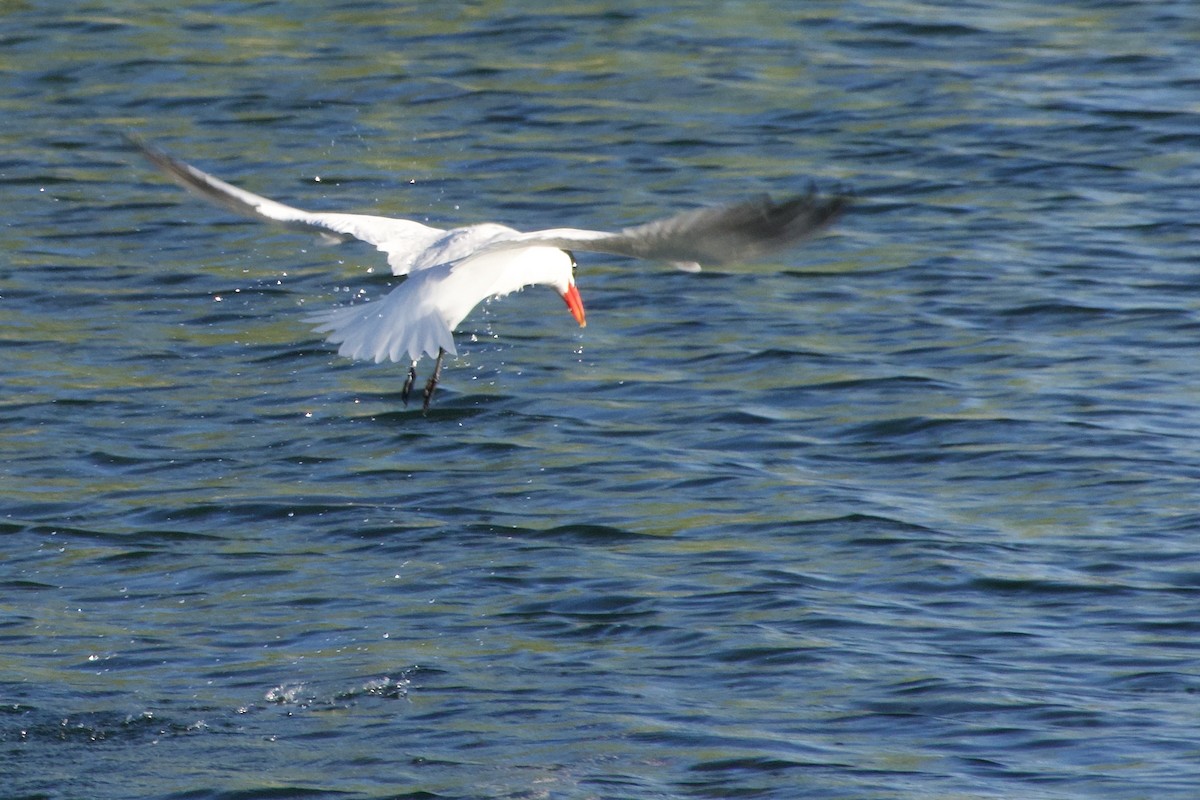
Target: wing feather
[[718, 235], [401, 239], [404, 323]]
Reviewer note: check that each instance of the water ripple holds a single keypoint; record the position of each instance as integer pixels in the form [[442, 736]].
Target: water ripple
[[907, 512]]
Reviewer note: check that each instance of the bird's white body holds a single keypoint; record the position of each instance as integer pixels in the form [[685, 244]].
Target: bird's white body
[[452, 271], [417, 317]]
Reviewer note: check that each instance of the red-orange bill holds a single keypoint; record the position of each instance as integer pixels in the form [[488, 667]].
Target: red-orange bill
[[575, 304]]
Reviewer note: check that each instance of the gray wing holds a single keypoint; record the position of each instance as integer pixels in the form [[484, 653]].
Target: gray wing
[[738, 232], [403, 240]]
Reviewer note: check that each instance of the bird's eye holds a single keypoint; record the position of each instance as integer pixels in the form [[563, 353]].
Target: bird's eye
[[571, 256]]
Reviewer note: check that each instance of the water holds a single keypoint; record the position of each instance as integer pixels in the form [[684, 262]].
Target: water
[[909, 512]]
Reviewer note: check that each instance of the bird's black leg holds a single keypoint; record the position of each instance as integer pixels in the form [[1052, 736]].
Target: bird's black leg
[[433, 379], [408, 382]]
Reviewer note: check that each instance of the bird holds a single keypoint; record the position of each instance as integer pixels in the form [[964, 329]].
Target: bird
[[450, 271]]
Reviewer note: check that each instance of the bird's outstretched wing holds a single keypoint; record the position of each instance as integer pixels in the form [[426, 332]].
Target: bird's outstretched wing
[[718, 235], [402, 240]]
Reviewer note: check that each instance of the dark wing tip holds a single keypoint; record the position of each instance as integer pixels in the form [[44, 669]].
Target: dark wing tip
[[151, 153], [201, 183], [173, 168], [760, 226], [731, 233], [800, 216]]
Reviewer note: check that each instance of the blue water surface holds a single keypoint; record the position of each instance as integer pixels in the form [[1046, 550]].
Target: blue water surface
[[908, 512]]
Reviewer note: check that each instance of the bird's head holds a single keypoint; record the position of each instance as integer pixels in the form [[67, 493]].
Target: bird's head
[[570, 293], [507, 269]]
